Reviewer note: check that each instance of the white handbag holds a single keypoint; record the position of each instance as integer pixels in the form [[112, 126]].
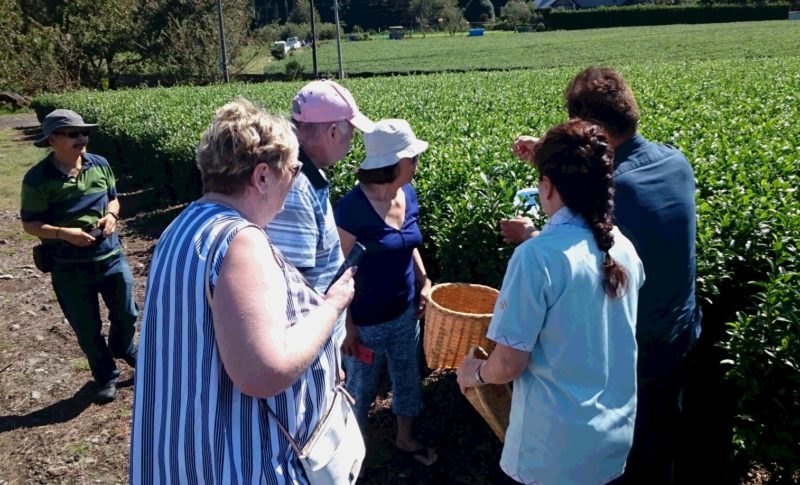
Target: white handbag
[[335, 451]]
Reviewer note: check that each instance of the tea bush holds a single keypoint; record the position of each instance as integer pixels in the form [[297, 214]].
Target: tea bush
[[736, 120], [654, 14], [574, 48], [765, 362]]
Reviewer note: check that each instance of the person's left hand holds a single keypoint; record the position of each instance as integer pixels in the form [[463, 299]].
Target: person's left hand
[[466, 373], [424, 295], [108, 223]]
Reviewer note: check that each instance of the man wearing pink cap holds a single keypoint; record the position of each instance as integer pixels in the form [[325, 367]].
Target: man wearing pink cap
[[324, 115]]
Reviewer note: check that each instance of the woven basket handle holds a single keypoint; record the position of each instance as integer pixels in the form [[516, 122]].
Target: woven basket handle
[[477, 352]]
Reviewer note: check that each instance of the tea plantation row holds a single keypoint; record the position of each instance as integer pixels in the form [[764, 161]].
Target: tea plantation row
[[735, 120], [544, 50]]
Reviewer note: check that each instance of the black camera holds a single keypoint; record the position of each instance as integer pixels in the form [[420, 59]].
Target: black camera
[[97, 234]]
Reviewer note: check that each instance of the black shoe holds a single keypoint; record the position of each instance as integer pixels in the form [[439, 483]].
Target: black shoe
[[130, 359], [107, 392]]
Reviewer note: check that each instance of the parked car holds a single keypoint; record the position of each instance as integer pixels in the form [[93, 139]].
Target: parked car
[[293, 43], [281, 43], [397, 32]]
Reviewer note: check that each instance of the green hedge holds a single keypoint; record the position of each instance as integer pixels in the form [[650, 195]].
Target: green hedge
[[765, 358], [660, 15]]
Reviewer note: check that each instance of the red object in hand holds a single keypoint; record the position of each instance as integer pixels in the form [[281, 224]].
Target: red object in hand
[[364, 354]]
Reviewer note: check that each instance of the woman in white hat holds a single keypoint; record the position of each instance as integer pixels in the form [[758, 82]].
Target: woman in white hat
[[381, 213]]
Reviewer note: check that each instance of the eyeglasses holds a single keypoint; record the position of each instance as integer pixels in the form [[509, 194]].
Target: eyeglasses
[[72, 133], [295, 169]]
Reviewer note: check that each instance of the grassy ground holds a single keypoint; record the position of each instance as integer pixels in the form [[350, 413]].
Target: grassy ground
[[15, 160], [261, 59], [505, 50]]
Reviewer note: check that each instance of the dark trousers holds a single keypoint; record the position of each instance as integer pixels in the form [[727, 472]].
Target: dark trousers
[[77, 286], [656, 432]]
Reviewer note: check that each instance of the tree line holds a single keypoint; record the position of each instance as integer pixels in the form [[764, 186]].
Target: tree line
[[105, 44], [59, 46], [380, 14]]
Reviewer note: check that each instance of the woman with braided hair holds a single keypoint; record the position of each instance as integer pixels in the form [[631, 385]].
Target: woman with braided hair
[[564, 323]]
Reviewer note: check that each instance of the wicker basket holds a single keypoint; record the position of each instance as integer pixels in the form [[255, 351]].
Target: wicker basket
[[492, 401], [456, 318]]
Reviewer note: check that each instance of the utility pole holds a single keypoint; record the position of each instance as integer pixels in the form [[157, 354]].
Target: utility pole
[[314, 40], [224, 62], [338, 37]]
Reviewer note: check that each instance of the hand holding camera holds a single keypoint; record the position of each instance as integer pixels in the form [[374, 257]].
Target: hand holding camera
[[75, 236], [98, 234]]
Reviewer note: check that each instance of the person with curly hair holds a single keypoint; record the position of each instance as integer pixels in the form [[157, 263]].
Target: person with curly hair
[[234, 344], [564, 323]]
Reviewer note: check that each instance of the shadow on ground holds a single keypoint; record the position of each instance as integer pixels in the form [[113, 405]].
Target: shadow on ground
[[58, 412], [468, 451]]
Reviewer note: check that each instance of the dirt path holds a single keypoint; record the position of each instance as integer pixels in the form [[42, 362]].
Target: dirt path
[[25, 120], [50, 430]]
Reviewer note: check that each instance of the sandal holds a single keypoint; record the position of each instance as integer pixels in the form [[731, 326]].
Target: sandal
[[420, 455]]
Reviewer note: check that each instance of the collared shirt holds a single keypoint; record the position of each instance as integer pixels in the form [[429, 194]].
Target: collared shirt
[[385, 280], [305, 231], [655, 208], [52, 197], [573, 407]]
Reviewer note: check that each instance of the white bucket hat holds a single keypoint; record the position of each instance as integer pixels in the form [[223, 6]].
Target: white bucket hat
[[390, 141]]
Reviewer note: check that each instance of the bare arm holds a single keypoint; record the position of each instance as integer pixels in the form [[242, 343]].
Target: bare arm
[[260, 353], [72, 235], [109, 222], [503, 366], [347, 240], [422, 281]]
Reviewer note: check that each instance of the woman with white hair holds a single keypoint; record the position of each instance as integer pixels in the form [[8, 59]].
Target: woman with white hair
[[234, 344], [381, 213]]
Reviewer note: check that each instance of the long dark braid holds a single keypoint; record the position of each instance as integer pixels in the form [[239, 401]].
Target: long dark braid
[[577, 159]]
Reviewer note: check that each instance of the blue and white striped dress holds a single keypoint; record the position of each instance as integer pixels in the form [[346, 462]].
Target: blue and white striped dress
[[190, 422]]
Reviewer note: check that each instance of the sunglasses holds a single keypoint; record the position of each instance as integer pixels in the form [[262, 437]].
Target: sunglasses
[[72, 133]]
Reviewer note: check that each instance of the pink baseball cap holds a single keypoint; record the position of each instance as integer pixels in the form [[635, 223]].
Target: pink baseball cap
[[326, 101]]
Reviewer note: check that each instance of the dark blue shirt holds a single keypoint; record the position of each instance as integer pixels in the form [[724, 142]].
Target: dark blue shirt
[[655, 209], [385, 278]]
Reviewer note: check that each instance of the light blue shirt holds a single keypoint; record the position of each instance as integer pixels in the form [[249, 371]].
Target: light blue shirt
[[306, 234], [574, 405]]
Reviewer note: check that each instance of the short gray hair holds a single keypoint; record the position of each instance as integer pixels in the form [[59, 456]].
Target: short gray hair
[[309, 132]]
